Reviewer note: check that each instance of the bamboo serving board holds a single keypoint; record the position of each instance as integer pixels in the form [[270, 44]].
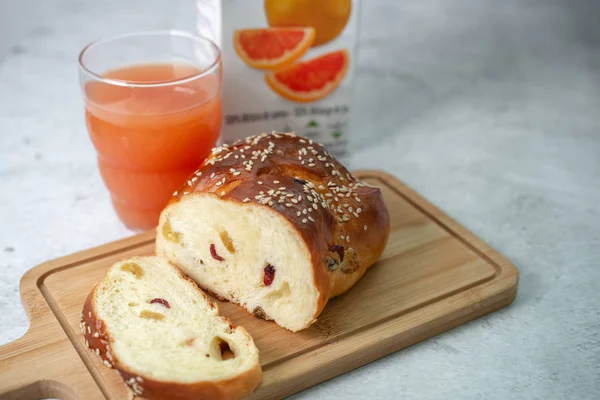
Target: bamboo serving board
[[433, 275]]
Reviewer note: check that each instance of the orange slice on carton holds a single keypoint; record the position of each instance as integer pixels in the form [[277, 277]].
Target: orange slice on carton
[[312, 79], [272, 48]]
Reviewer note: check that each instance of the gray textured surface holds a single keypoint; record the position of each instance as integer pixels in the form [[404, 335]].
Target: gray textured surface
[[490, 109]]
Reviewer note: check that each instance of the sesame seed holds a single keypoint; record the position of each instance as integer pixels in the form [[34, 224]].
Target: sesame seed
[[309, 198], [342, 237], [358, 210], [276, 182], [304, 211], [304, 220], [299, 197], [328, 195], [311, 218], [247, 199], [347, 239], [315, 206], [236, 173], [298, 213], [357, 199], [175, 193], [355, 214], [365, 227], [311, 164], [294, 201], [270, 202], [260, 182], [350, 209], [219, 183], [212, 175], [288, 204]]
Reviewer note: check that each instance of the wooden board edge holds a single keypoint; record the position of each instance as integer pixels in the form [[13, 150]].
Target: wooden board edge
[[29, 286], [502, 265], [37, 307]]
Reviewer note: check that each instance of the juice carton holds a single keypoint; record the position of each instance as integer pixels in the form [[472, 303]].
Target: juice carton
[[288, 65]]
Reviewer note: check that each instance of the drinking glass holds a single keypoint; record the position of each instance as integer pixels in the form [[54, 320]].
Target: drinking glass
[[153, 112]]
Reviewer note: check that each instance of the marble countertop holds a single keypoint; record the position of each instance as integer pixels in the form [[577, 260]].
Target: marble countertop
[[488, 109]]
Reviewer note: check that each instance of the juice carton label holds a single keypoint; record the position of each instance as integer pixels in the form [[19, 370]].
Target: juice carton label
[[288, 65]]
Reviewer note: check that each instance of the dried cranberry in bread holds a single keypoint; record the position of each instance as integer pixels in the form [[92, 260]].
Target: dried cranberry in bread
[[164, 335], [275, 224]]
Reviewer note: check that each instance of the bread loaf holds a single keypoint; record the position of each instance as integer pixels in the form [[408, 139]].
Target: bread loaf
[[275, 224], [164, 335]]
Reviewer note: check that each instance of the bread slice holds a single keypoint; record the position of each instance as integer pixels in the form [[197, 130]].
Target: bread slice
[[164, 335]]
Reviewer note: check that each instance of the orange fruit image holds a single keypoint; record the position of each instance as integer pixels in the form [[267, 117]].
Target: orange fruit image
[[272, 48], [312, 79], [328, 17]]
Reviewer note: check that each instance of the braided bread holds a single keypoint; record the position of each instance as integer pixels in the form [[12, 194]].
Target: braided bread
[[275, 224]]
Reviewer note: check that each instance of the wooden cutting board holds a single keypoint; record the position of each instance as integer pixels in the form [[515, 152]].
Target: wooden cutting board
[[433, 275]]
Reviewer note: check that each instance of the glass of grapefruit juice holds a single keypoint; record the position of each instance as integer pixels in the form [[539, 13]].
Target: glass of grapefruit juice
[[153, 112]]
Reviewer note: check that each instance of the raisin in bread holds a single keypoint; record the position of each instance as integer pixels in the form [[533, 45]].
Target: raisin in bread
[[164, 335], [275, 224]]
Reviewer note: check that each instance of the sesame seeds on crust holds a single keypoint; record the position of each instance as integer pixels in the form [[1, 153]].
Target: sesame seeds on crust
[[255, 155]]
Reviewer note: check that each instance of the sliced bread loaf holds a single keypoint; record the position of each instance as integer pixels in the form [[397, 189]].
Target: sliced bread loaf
[[164, 335], [275, 224]]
